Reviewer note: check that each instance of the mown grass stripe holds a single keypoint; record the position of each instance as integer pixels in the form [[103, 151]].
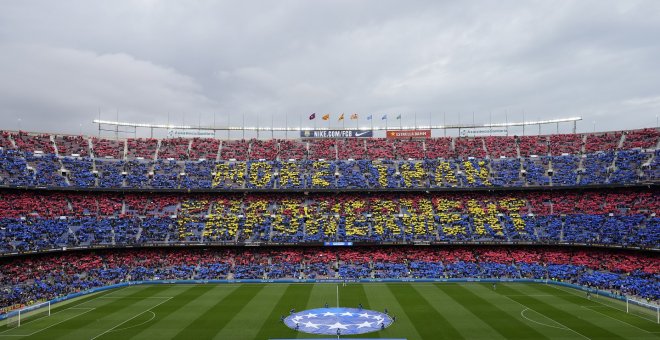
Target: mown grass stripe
[[209, 323], [563, 317], [249, 321], [380, 297], [352, 295], [170, 325], [99, 319], [320, 294], [177, 302], [463, 320], [600, 311], [295, 296], [419, 310], [498, 319]]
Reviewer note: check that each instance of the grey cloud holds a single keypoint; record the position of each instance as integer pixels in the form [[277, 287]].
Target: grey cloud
[[286, 59]]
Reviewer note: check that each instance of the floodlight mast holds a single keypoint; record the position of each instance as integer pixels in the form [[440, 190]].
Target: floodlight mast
[[286, 129]]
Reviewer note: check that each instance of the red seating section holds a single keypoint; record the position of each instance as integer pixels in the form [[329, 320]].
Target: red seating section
[[570, 144], [501, 146], [141, 147], [68, 145], [234, 149], [176, 148], [33, 142], [108, 148], [206, 148], [469, 147], [533, 145]]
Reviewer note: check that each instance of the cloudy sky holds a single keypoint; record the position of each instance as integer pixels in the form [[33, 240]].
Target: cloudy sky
[[63, 62]]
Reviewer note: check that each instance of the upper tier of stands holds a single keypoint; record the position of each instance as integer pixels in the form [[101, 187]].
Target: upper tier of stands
[[41, 160], [330, 149]]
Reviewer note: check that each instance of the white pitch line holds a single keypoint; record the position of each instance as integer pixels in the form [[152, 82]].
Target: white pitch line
[[613, 318], [522, 313], [153, 315], [549, 318], [37, 319], [125, 321], [620, 310], [55, 324]]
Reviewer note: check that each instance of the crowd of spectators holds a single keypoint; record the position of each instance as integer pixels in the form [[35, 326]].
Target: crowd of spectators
[[621, 167], [26, 280], [52, 220]]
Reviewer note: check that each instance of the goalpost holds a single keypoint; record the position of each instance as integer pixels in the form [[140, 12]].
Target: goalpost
[[652, 307], [33, 312]]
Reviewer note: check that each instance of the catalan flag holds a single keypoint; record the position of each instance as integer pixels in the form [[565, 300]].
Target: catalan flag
[[341, 117], [326, 116]]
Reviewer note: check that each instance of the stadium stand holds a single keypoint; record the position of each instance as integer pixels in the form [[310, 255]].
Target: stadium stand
[[557, 207], [44, 277]]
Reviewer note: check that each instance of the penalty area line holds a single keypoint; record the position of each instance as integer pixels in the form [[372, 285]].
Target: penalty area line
[[135, 316]]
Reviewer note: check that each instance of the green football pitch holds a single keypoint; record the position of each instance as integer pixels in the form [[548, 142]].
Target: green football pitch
[[422, 311]]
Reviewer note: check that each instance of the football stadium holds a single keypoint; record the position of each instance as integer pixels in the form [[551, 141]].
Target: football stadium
[[537, 236], [329, 169]]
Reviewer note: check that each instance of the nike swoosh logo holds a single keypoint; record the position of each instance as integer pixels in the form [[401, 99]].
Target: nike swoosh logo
[[358, 134]]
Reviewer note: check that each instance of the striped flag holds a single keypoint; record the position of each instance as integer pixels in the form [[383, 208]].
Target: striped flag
[[341, 117], [326, 116]]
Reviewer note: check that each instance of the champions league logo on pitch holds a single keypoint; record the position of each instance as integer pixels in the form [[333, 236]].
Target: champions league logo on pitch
[[332, 321]]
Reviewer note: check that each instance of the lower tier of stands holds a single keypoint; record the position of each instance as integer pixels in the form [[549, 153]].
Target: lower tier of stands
[[29, 279]]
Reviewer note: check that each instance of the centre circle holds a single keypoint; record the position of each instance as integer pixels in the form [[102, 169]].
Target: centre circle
[[333, 321]]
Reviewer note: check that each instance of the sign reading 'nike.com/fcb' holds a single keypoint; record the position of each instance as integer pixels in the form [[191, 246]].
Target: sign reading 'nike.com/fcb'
[[336, 134]]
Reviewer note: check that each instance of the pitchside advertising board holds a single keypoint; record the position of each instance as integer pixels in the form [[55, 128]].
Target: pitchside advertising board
[[336, 133], [408, 134]]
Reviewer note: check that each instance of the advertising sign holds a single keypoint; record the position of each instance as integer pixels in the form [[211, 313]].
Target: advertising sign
[[336, 133], [184, 133], [473, 132], [408, 133]]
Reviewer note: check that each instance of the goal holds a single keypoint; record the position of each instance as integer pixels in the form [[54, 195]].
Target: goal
[[655, 309], [29, 313]]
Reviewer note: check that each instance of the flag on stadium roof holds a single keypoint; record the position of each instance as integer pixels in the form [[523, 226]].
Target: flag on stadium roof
[[312, 116], [326, 116], [398, 117], [354, 116], [384, 117], [341, 117], [369, 117]]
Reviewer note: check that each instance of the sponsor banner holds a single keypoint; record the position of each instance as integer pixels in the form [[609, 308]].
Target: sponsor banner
[[472, 132], [336, 134], [408, 133], [190, 134]]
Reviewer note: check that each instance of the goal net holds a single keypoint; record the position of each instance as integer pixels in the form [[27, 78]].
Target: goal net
[[29, 313], [643, 309]]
